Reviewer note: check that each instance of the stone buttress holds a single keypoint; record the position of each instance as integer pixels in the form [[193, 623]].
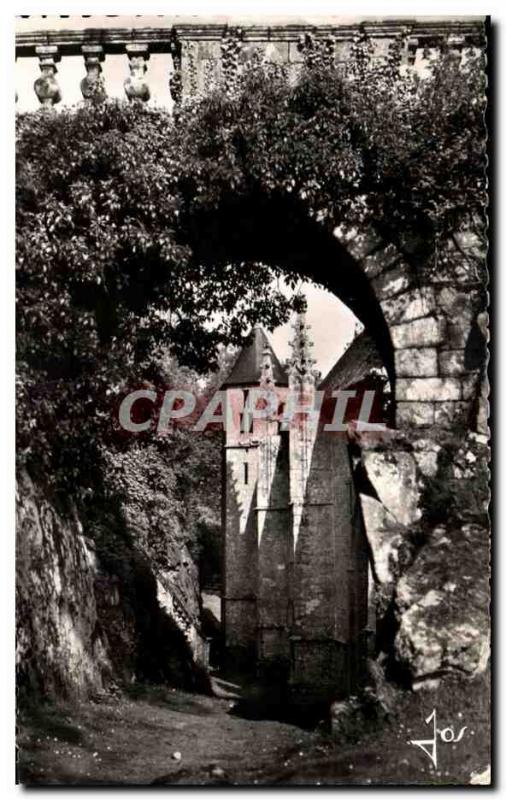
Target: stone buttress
[[295, 561], [329, 576], [255, 510]]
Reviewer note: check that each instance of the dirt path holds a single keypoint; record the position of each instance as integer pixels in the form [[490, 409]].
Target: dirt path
[[173, 737], [170, 737]]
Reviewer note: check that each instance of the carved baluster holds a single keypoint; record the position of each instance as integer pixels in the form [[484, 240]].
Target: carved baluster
[[136, 87], [46, 87], [92, 85]]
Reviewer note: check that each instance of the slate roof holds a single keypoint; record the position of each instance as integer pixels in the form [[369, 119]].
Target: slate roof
[[246, 370], [354, 365]]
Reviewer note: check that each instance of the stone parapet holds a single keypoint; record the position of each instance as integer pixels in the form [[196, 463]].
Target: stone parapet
[[197, 51], [427, 32]]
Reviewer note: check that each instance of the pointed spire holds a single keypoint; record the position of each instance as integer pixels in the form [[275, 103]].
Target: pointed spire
[[301, 363], [256, 359]]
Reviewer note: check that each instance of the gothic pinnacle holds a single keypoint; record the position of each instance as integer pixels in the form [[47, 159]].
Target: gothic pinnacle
[[266, 374], [301, 362]]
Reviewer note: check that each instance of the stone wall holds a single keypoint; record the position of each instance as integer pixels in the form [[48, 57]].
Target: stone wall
[[437, 324], [240, 549]]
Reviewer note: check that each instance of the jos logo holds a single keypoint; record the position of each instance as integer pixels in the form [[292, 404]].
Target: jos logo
[[447, 735]]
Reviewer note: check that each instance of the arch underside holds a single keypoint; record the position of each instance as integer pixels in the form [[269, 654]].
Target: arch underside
[[279, 233], [421, 321]]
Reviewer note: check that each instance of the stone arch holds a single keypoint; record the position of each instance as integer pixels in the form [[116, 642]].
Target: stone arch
[[415, 324], [279, 232], [422, 321], [420, 325]]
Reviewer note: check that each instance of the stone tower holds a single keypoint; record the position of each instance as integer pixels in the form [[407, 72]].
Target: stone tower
[[295, 560], [255, 507]]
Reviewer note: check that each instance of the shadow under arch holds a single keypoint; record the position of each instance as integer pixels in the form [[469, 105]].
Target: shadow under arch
[[277, 230]]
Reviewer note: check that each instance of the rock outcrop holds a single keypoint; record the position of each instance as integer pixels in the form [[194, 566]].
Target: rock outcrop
[[390, 505], [85, 622], [442, 605], [59, 642], [424, 507]]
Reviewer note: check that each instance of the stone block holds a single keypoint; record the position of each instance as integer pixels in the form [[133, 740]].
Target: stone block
[[458, 270], [381, 47], [393, 282], [358, 243], [471, 243], [343, 50], [208, 49], [378, 261], [428, 389], [241, 623], [448, 413], [456, 303], [409, 305], [276, 52], [415, 414], [418, 333], [451, 362], [457, 333], [482, 417], [416, 362], [295, 54]]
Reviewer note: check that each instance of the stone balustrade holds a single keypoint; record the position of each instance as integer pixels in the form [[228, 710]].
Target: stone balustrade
[[193, 57]]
